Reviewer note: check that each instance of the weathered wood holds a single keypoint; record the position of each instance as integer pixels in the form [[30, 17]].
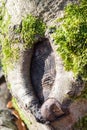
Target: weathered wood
[[19, 76], [21, 87], [49, 10], [78, 109], [43, 69]]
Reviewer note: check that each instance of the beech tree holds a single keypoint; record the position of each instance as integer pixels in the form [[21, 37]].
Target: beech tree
[[44, 60]]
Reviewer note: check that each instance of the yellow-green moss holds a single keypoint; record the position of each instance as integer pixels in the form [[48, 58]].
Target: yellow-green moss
[[32, 27], [28, 32], [71, 37], [4, 22]]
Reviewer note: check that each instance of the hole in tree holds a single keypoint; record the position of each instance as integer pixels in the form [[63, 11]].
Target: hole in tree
[[43, 69]]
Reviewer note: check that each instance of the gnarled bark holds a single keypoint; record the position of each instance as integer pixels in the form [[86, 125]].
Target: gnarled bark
[[65, 86]]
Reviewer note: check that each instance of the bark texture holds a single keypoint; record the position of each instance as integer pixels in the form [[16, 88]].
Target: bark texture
[[46, 9], [58, 100]]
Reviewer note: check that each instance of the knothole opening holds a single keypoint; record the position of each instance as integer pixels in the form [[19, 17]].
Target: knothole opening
[[43, 69]]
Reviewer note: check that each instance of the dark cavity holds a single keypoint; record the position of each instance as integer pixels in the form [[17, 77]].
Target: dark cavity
[[43, 69]]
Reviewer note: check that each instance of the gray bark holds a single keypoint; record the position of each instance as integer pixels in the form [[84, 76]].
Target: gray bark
[[64, 85], [49, 10]]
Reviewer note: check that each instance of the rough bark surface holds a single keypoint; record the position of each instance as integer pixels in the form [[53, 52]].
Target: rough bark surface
[[64, 85], [46, 9], [43, 69]]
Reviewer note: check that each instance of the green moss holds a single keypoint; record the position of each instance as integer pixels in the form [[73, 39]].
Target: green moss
[[32, 27], [71, 37], [4, 22], [27, 32], [16, 106]]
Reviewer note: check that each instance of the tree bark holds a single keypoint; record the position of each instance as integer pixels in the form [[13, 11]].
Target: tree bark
[[20, 80]]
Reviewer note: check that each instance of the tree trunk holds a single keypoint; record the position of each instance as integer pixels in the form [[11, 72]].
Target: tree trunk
[[39, 114]]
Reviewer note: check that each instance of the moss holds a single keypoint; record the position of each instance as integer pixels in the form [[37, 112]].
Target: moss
[[27, 33], [4, 22], [16, 106], [10, 39], [71, 37], [32, 27]]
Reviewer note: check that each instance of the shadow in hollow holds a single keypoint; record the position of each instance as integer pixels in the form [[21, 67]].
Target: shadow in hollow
[[43, 69]]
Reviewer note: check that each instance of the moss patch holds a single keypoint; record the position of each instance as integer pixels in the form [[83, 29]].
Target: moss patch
[[32, 27], [71, 37], [25, 35], [4, 42]]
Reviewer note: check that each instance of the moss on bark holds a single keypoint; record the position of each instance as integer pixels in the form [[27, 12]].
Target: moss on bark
[[17, 38]]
